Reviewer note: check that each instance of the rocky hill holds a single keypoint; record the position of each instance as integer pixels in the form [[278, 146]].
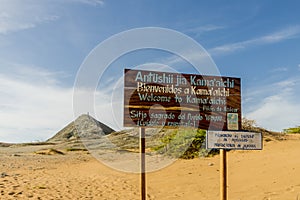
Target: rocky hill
[[84, 127]]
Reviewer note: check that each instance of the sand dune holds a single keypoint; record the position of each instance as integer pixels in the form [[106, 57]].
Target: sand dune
[[270, 174]]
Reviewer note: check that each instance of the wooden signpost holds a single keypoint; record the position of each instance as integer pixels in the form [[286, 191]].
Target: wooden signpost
[[173, 100]]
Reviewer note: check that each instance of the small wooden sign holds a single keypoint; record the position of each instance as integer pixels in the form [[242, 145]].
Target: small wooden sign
[[237, 140], [155, 99]]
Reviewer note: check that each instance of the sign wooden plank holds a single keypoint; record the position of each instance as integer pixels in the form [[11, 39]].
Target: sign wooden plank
[[233, 140], [155, 99]]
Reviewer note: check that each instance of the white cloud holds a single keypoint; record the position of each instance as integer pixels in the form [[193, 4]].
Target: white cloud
[[32, 109], [201, 29], [275, 106], [284, 34], [90, 2], [34, 105], [17, 15], [279, 69], [276, 113], [31, 73]]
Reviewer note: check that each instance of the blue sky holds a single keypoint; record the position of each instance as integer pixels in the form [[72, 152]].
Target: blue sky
[[43, 44]]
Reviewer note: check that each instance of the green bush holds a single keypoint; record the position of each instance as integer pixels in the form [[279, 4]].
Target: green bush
[[292, 130], [183, 143]]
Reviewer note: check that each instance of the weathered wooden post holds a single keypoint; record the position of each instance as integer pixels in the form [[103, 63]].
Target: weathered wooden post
[[223, 174], [143, 163]]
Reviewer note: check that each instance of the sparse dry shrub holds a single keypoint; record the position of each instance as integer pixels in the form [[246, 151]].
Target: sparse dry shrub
[[248, 124]]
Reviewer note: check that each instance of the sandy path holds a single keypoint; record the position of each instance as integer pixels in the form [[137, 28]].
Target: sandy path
[[271, 174]]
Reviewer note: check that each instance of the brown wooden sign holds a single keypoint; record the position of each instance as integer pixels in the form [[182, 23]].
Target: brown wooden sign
[[155, 99]]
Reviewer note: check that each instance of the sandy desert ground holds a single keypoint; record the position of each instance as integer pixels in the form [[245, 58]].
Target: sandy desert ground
[[270, 174]]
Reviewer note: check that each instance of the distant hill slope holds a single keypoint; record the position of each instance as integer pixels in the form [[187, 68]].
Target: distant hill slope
[[84, 126]]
